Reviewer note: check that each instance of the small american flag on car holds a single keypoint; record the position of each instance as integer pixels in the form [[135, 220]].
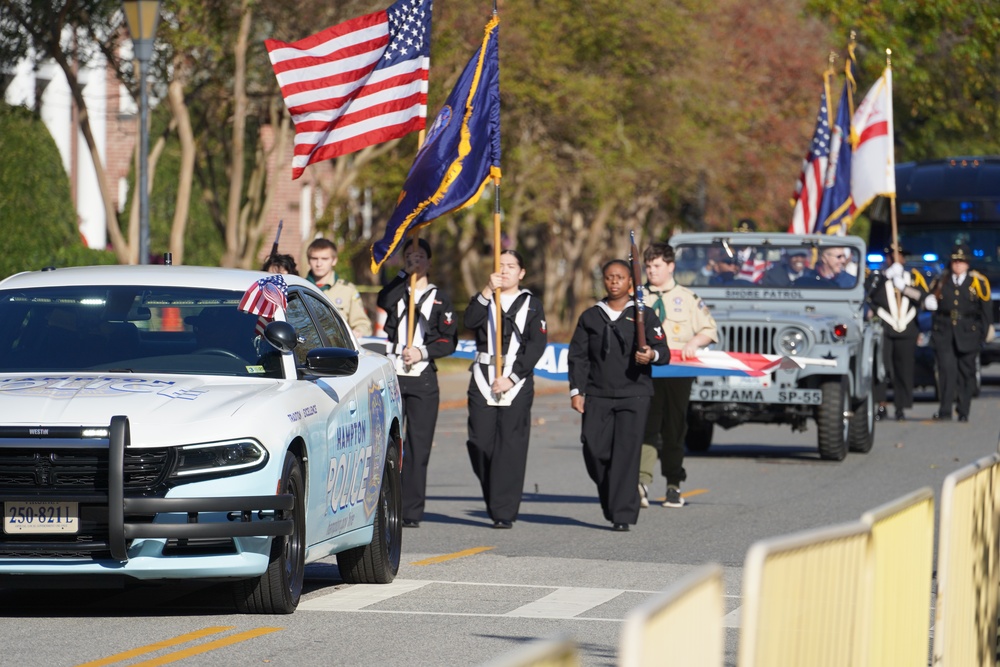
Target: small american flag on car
[[264, 298]]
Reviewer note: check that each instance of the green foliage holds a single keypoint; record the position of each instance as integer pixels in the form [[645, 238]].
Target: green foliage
[[946, 69], [36, 211]]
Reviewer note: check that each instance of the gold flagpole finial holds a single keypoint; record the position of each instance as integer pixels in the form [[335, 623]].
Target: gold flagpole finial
[[888, 57], [854, 35]]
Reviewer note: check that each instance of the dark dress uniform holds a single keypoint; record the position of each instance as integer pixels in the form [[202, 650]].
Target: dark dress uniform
[[436, 335], [498, 434], [898, 310], [959, 330], [616, 392]]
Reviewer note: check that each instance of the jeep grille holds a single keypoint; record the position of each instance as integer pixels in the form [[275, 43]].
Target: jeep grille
[[752, 339]]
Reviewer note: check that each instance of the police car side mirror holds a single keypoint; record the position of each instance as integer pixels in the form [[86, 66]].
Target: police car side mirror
[[281, 335], [337, 361]]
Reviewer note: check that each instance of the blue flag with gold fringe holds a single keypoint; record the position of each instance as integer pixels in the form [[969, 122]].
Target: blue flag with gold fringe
[[460, 155]]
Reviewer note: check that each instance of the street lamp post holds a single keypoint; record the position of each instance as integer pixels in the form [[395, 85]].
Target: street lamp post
[[142, 17]]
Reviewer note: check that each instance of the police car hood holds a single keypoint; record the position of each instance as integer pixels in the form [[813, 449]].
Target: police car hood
[[162, 409]]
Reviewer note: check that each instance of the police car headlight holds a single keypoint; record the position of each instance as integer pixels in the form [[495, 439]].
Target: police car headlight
[[219, 458], [792, 342]]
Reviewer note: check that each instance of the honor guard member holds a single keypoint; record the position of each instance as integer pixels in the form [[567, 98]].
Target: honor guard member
[[500, 406], [688, 326], [896, 296], [610, 385], [435, 335], [322, 255], [961, 320]]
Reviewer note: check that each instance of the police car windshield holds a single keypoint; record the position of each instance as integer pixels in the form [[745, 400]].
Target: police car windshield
[[732, 265], [131, 329]]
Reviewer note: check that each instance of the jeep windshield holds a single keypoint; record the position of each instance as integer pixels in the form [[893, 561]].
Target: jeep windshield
[[131, 329], [730, 264]]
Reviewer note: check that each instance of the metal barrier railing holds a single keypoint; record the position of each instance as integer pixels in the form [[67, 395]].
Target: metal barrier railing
[[903, 545], [681, 626], [965, 614], [806, 599]]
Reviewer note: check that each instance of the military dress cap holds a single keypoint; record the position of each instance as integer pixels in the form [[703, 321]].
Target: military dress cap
[[889, 249], [745, 225], [962, 253]]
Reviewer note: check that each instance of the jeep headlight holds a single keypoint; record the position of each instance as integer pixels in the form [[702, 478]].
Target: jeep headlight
[[219, 458], [792, 342]]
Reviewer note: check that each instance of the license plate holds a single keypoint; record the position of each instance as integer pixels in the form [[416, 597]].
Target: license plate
[[36, 516], [748, 382]]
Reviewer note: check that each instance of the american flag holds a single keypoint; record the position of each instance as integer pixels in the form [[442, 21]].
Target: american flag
[[357, 83], [265, 297], [809, 191]]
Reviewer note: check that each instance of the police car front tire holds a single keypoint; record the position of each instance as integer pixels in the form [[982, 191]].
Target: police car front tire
[[278, 590]]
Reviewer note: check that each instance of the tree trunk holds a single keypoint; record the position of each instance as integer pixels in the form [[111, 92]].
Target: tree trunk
[[185, 177], [234, 210]]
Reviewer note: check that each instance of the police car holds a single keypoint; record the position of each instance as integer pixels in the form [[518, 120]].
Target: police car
[[167, 422]]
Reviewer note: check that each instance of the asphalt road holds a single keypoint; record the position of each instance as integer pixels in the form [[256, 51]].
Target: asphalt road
[[466, 593]]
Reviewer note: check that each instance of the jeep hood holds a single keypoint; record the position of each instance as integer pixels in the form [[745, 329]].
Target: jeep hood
[[162, 409]]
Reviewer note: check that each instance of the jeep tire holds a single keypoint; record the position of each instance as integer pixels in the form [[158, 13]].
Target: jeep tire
[[832, 421], [861, 433]]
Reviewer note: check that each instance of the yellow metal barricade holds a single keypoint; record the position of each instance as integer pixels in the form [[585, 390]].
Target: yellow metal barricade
[[965, 614], [680, 627], [903, 546], [807, 599], [557, 652]]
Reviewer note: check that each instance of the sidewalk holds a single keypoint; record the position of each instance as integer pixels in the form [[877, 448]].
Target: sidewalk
[[455, 386]]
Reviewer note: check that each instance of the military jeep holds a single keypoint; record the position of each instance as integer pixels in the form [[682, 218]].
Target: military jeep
[[801, 297]]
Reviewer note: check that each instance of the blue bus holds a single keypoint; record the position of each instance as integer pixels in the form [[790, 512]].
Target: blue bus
[[940, 203]]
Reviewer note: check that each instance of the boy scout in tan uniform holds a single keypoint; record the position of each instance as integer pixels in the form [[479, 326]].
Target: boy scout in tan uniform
[[322, 255], [688, 326]]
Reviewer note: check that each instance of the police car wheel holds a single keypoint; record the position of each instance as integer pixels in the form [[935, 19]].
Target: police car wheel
[[278, 590], [831, 421], [378, 562]]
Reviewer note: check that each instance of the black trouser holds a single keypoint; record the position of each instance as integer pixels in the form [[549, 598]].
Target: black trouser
[[899, 357], [612, 441], [498, 448], [420, 404], [956, 377], [668, 420]]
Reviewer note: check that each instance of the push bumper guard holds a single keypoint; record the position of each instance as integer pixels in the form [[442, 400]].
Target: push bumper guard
[[273, 512]]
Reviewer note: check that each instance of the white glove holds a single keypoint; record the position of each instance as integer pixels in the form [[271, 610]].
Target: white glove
[[894, 271], [898, 282], [930, 303]]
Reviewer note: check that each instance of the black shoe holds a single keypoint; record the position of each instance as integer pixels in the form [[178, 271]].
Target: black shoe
[[900, 416], [938, 417], [879, 413], [620, 527], [503, 524], [410, 523], [963, 418]]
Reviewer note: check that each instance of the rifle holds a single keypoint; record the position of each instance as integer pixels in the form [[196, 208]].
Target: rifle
[[640, 307], [274, 246]]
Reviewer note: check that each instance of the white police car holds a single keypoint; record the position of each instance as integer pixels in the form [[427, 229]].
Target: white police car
[[151, 429]]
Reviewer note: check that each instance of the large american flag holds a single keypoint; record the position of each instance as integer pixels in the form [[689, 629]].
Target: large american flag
[[809, 190], [355, 84]]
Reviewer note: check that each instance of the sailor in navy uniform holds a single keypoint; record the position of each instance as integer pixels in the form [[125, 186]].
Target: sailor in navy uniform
[[435, 335], [610, 382], [897, 296], [500, 407], [962, 318]]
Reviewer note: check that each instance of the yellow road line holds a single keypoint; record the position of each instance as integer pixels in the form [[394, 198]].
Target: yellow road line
[[158, 646], [205, 648], [457, 554], [686, 494]]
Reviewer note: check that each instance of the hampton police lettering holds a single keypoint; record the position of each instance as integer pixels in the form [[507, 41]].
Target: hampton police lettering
[[351, 435], [348, 478]]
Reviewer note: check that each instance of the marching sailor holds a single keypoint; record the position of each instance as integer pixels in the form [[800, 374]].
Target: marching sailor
[[500, 405]]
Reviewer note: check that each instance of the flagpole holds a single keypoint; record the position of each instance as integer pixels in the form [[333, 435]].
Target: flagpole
[[411, 314], [496, 262], [896, 255]]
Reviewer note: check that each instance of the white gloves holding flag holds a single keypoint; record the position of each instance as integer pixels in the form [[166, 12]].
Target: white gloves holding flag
[[895, 274], [930, 303]]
